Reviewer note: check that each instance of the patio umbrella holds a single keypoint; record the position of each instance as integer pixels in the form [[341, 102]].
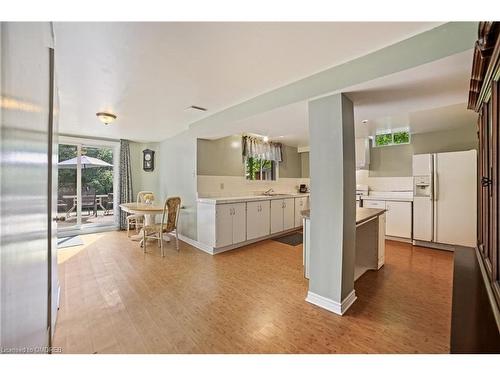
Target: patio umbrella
[[86, 162]]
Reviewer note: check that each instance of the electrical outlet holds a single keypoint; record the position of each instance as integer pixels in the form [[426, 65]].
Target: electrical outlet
[[222, 185]]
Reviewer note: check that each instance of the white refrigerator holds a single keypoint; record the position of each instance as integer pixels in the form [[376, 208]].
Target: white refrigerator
[[444, 198]]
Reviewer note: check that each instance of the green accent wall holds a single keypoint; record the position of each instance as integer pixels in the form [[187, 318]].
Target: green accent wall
[[142, 180], [223, 157], [396, 161], [219, 157], [304, 164]]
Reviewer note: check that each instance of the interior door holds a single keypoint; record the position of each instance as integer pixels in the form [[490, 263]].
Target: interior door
[[455, 198]]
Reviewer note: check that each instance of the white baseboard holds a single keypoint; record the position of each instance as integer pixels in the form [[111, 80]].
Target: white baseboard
[[399, 239], [212, 250], [198, 245], [434, 245], [331, 305]]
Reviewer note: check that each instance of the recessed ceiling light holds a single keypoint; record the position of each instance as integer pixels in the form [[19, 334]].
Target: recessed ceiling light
[[266, 138], [364, 121]]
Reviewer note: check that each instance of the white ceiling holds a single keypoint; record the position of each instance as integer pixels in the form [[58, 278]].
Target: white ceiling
[[427, 98], [148, 73]]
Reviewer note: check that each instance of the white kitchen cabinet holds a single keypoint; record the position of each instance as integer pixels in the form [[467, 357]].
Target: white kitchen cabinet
[[374, 204], [258, 219], [276, 215], [398, 219], [282, 214], [221, 225], [398, 216], [301, 203], [239, 222], [288, 213], [230, 224], [362, 149]]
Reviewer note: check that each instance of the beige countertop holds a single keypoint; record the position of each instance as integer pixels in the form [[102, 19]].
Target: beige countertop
[[386, 198], [362, 214], [250, 198]]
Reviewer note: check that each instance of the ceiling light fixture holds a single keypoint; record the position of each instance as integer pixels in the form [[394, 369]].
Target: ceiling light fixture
[[265, 139], [196, 108], [106, 117]]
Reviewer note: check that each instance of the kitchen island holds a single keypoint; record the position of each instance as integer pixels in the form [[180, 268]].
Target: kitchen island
[[370, 240]]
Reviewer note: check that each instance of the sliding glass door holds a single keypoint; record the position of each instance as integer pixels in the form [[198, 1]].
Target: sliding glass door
[[87, 182]]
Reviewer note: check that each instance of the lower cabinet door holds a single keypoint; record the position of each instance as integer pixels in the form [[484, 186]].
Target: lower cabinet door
[[239, 222], [223, 225], [398, 219], [265, 219], [258, 219], [288, 213], [299, 207], [277, 215]]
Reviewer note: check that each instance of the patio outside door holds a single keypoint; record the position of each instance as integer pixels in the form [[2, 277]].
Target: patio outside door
[[87, 182]]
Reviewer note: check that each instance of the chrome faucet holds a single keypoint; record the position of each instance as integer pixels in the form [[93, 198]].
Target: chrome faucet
[[267, 192]]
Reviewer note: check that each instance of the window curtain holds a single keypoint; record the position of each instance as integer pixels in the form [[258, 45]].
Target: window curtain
[[125, 180], [257, 148]]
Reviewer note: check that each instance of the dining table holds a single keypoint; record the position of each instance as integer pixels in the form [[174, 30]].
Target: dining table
[[99, 199], [149, 210]]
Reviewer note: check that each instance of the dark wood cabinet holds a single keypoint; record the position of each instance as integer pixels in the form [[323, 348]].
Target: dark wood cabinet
[[484, 98]]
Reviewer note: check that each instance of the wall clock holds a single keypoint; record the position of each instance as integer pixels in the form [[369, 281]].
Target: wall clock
[[148, 160]]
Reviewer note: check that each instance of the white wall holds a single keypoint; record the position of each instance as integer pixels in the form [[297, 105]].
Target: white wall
[[232, 186], [177, 167], [384, 183]]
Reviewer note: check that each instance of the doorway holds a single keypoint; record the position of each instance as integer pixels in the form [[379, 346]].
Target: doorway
[[87, 185]]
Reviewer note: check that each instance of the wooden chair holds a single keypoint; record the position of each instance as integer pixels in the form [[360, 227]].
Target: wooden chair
[[168, 225], [135, 219], [109, 204], [89, 201]]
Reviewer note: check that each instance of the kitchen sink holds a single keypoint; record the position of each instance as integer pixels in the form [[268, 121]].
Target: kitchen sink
[[275, 195]]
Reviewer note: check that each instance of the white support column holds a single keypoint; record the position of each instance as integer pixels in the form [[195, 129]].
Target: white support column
[[333, 203]]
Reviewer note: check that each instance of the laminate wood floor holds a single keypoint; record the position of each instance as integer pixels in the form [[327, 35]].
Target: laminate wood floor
[[115, 299]]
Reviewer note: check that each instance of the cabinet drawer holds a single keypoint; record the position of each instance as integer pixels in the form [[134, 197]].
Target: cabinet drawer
[[373, 204]]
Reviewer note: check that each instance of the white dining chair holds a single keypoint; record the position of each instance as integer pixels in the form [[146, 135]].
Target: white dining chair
[[137, 220]]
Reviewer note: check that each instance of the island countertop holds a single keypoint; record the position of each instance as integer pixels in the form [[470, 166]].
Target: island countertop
[[362, 214]]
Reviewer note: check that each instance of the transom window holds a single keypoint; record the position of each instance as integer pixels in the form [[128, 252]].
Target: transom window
[[392, 137]]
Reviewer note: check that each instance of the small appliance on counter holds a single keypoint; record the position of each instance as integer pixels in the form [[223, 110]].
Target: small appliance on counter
[[361, 190], [303, 188]]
